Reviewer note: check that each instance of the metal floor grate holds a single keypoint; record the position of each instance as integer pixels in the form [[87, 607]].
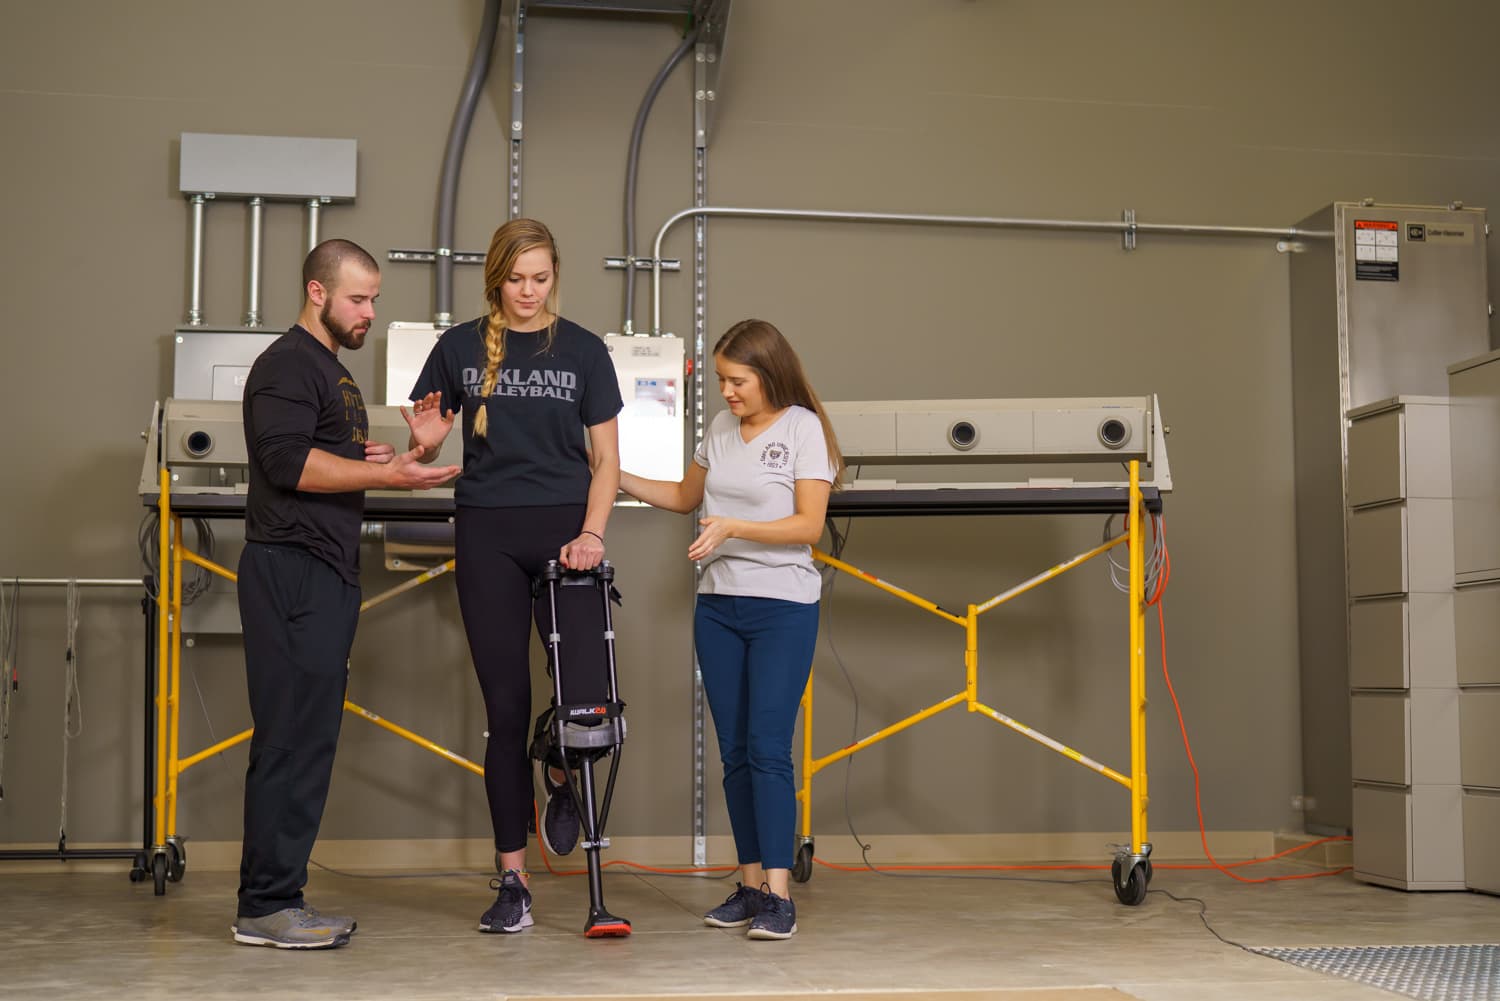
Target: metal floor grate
[[1428, 972]]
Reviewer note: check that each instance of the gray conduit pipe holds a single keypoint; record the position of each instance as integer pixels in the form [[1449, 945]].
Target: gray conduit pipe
[[458, 138], [633, 163], [1066, 225]]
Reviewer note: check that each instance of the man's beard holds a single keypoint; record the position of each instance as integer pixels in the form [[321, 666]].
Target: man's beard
[[352, 338]]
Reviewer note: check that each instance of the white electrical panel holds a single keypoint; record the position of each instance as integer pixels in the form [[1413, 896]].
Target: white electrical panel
[[651, 371], [407, 346]]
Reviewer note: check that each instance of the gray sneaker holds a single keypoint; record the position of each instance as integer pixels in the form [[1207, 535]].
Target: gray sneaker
[[738, 910], [345, 921], [291, 928]]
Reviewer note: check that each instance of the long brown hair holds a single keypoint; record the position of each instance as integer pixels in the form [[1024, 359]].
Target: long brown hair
[[510, 241], [759, 346]]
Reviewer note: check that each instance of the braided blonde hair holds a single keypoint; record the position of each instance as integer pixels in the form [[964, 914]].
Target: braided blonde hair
[[510, 241]]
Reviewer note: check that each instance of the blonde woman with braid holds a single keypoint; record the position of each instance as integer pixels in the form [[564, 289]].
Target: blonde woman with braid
[[532, 387]]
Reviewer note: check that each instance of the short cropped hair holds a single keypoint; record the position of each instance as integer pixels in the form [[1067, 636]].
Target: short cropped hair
[[323, 262]]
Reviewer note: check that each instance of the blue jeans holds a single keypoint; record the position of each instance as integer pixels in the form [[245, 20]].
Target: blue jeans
[[756, 655]]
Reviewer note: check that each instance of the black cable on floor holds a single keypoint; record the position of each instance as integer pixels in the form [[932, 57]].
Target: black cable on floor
[[1203, 916]]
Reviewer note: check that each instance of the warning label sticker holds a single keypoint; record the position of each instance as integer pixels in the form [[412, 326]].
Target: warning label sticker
[[1376, 250]]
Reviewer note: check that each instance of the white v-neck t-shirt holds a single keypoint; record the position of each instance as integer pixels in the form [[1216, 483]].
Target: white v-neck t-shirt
[[756, 481]]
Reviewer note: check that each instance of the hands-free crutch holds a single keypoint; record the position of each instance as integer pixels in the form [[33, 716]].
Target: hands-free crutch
[[585, 721]]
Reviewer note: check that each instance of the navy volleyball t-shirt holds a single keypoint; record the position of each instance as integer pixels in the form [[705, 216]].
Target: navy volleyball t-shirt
[[535, 451]]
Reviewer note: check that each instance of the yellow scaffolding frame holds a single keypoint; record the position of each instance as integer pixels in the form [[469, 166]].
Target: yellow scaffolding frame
[[169, 859], [1131, 870], [1129, 887]]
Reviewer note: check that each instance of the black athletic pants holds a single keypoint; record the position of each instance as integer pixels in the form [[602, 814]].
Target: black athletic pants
[[499, 552], [298, 616]]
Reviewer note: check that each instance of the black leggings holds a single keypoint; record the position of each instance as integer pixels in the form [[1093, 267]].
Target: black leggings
[[499, 552]]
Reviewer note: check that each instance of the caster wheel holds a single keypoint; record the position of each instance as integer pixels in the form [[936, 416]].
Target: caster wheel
[[802, 865], [138, 867], [1134, 890], [1149, 871], [177, 864], [159, 873], [1114, 871]]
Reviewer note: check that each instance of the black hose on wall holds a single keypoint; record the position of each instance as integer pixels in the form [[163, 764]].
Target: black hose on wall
[[633, 161], [453, 155]]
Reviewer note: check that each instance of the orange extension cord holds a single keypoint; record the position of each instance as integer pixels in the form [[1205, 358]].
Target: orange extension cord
[[1158, 524]]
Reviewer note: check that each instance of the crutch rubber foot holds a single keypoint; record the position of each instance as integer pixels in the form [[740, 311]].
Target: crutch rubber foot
[[602, 924]]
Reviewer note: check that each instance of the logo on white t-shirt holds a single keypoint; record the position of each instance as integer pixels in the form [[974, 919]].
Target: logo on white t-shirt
[[775, 455]]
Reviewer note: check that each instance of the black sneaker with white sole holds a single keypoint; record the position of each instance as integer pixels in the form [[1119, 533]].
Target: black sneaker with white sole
[[511, 910], [776, 919], [560, 821], [737, 910]]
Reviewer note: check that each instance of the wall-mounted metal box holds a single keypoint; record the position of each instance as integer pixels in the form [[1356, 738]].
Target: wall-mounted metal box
[[279, 167]]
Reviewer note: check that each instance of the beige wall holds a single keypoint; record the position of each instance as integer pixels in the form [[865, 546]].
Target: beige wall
[[1253, 114]]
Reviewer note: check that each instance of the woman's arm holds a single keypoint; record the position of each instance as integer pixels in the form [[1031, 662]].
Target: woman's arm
[[682, 497], [803, 527], [587, 551]]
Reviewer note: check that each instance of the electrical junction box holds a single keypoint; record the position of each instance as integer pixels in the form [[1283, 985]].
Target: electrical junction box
[[651, 375], [213, 364], [279, 167], [407, 346]]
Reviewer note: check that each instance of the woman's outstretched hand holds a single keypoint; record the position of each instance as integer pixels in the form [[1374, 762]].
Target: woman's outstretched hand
[[715, 531]]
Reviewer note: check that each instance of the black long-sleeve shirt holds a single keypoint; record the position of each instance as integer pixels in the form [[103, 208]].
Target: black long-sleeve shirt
[[299, 397]]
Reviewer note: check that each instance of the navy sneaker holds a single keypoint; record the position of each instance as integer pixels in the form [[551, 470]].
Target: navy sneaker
[[739, 909], [777, 918], [511, 910], [560, 821]]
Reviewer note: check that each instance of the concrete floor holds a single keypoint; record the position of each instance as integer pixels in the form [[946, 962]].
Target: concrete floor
[[87, 936]]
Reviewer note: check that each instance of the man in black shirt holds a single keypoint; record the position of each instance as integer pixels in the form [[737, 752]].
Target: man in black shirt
[[311, 461]]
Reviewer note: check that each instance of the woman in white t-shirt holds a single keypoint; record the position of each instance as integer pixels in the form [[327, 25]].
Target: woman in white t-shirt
[[763, 475]]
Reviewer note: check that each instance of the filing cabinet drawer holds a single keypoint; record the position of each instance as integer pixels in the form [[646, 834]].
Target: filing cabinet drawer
[[1405, 738], [1405, 642], [1412, 839], [1397, 548], [1481, 835], [1476, 618], [1479, 734]]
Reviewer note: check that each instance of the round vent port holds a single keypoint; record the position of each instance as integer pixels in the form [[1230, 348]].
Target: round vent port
[[962, 435], [198, 443], [1113, 432]]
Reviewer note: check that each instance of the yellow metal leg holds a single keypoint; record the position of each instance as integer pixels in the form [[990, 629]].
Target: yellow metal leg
[[1139, 800], [971, 658], [163, 620], [804, 792], [175, 677]]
